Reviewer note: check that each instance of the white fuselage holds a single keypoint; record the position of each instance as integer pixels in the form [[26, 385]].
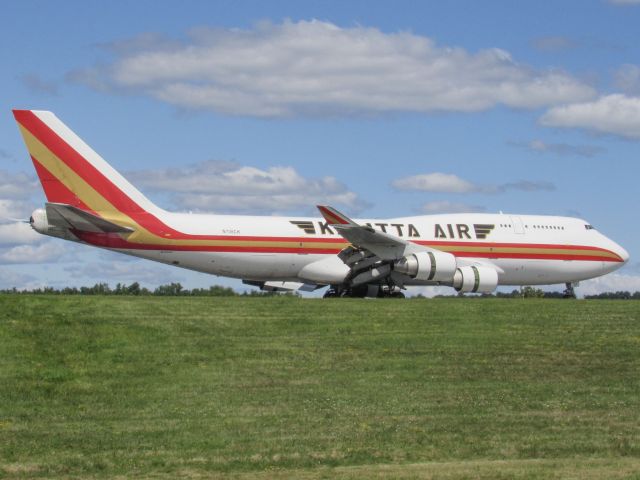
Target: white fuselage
[[526, 250]]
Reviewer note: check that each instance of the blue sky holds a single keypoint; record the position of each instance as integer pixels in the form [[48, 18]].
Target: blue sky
[[381, 108]]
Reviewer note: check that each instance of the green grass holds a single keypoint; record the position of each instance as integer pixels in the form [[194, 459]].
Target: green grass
[[288, 387]]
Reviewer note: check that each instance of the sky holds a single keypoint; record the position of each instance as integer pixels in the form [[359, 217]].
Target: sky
[[380, 109]]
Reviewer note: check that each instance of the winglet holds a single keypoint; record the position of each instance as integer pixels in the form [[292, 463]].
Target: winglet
[[334, 217]]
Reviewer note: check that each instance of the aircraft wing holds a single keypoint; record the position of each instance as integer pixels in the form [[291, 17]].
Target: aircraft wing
[[69, 217], [373, 255], [383, 245]]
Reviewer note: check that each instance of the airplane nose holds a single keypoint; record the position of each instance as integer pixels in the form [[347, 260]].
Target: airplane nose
[[624, 255]]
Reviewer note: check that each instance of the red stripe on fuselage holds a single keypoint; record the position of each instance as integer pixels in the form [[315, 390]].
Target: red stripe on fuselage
[[116, 241], [440, 243], [113, 240]]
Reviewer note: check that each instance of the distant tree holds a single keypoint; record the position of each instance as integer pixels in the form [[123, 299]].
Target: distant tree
[[171, 289], [530, 292], [219, 291], [553, 295], [97, 289], [619, 295], [133, 289]]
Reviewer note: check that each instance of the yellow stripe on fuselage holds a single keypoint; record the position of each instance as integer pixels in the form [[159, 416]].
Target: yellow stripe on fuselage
[[525, 250]]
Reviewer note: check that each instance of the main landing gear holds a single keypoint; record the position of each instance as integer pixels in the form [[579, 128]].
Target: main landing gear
[[569, 292], [363, 291]]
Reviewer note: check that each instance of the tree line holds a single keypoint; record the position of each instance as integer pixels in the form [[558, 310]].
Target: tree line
[[532, 292], [134, 289], [176, 289]]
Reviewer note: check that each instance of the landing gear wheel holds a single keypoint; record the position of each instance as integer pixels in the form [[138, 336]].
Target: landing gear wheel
[[331, 293], [358, 292]]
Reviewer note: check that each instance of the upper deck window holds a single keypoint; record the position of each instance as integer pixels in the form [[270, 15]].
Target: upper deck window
[[589, 227]]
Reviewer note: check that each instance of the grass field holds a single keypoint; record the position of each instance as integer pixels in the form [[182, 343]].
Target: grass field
[[287, 387]]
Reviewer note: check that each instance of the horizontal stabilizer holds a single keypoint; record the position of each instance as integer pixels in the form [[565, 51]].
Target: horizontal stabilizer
[[67, 216]]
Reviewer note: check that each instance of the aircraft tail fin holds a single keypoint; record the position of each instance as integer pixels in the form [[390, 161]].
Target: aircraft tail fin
[[72, 173]]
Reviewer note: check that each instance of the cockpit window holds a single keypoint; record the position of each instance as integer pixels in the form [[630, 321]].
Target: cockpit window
[[589, 227]]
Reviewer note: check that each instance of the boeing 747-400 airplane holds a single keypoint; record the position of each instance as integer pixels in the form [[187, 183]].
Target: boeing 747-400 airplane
[[89, 202]]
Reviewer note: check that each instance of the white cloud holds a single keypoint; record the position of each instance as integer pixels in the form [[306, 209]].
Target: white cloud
[[19, 244], [229, 187], [616, 114], [317, 68], [612, 282], [36, 84], [11, 279], [563, 149], [627, 79], [50, 251], [16, 190], [435, 182], [14, 209], [525, 186], [18, 233], [449, 183], [17, 186], [553, 43], [450, 207]]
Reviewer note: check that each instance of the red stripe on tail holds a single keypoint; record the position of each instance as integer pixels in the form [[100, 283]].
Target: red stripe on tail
[[55, 190]]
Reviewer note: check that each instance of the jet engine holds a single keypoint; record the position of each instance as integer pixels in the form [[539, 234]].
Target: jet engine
[[428, 266], [475, 279]]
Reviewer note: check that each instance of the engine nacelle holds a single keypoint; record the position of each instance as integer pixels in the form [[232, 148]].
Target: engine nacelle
[[475, 279], [328, 271], [428, 266], [39, 222]]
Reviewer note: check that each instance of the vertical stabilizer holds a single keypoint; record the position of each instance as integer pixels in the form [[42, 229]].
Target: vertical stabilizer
[[71, 172]]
